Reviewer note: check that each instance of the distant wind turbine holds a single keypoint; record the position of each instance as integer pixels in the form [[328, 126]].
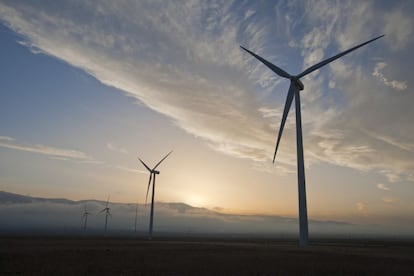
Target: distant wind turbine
[[295, 86], [136, 218], [106, 210], [85, 218], [153, 173]]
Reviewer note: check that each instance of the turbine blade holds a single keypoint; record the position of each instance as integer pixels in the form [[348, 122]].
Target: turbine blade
[[103, 210], [149, 184], [162, 160], [272, 67], [145, 165], [107, 203], [288, 103], [326, 61]]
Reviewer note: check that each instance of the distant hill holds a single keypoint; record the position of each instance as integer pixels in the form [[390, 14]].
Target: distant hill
[[12, 198], [27, 214], [7, 198]]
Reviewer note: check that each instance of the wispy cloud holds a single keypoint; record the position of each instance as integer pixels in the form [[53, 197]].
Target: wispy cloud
[[53, 152], [397, 85], [191, 75], [196, 74], [6, 138], [127, 169], [391, 176], [390, 200], [362, 207], [367, 106], [61, 154], [116, 148], [399, 26], [383, 187]]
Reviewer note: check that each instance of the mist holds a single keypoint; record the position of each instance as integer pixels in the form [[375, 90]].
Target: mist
[[30, 215]]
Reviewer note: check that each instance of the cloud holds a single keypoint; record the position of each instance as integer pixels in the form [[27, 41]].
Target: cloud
[[186, 64], [383, 187], [59, 153], [62, 154], [362, 207], [391, 176], [191, 75], [360, 132], [6, 138], [116, 148], [127, 169], [390, 200], [397, 85], [399, 27]]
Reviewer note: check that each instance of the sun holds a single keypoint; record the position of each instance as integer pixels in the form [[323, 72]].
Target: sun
[[196, 200]]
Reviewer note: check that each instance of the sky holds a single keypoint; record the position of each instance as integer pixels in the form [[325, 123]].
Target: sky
[[87, 87]]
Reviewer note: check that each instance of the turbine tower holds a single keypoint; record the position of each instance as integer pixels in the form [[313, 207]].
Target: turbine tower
[[85, 217], [295, 87], [106, 210], [136, 218], [153, 173]]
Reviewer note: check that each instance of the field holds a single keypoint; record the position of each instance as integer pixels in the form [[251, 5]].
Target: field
[[202, 256]]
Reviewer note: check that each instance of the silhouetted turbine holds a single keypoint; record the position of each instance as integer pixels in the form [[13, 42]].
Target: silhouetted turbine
[[85, 218], [153, 173], [295, 86], [106, 210], [136, 218]]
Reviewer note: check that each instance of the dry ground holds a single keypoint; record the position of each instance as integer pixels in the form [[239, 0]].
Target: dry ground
[[191, 256]]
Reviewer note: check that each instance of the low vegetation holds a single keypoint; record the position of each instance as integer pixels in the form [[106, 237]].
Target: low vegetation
[[196, 256]]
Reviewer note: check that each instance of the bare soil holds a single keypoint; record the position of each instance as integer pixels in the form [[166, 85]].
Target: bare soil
[[202, 256]]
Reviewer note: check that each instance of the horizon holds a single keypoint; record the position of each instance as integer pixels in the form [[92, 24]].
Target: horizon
[[46, 216], [83, 95]]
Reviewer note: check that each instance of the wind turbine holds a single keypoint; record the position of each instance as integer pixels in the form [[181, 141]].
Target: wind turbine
[[295, 86], [106, 210], [85, 218], [153, 173], [136, 218]]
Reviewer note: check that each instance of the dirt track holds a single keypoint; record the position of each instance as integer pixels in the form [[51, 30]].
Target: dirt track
[[118, 256]]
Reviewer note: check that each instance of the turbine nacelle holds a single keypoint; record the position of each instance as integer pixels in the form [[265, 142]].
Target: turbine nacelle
[[105, 210], [297, 82], [155, 172]]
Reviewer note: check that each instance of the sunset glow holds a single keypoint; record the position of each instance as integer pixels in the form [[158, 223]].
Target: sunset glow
[[83, 95]]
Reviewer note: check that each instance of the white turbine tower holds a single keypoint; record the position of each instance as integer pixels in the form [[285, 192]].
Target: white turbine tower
[[153, 173], [295, 86]]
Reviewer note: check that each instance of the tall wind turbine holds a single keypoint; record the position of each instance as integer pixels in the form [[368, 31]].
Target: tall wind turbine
[[295, 86], [153, 173], [85, 217], [106, 210]]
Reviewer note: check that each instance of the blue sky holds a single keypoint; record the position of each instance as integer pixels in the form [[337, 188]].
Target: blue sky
[[88, 87]]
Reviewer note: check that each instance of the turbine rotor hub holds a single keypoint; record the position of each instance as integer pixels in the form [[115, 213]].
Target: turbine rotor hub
[[297, 82]]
